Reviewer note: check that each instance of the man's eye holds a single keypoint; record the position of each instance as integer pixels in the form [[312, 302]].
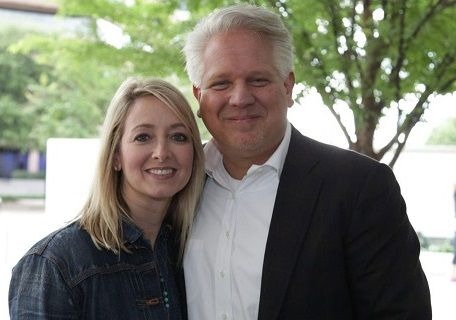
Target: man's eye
[[179, 137], [259, 82], [142, 137], [220, 85]]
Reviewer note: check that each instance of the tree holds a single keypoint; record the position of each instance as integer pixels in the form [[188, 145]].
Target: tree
[[67, 98], [444, 134], [149, 34], [17, 73], [366, 58], [89, 63], [370, 58], [72, 100]]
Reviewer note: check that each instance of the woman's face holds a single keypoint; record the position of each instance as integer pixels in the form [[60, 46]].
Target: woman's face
[[155, 152]]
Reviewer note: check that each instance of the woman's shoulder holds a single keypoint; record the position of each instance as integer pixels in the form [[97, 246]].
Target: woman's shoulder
[[70, 250], [61, 241], [67, 248]]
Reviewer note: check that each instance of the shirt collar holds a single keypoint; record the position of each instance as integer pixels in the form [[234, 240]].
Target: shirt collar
[[214, 159]]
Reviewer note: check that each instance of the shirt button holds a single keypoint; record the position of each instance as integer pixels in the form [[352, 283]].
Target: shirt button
[[224, 316], [227, 234], [222, 274]]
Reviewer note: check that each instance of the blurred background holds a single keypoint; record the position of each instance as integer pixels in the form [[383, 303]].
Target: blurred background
[[376, 77]]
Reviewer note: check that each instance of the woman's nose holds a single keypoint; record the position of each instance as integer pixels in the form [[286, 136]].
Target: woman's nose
[[161, 151]]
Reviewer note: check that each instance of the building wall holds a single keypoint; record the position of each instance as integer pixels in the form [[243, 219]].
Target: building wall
[[40, 18], [428, 177], [41, 6]]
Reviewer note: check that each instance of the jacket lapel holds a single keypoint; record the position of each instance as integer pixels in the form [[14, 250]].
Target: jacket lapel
[[296, 196]]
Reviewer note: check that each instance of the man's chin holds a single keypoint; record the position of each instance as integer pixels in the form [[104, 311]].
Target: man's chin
[[245, 144]]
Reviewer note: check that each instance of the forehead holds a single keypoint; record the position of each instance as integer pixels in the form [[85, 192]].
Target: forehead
[[236, 42], [239, 47], [149, 109]]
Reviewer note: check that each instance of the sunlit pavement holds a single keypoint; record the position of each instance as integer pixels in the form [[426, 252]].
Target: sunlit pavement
[[438, 269], [21, 226]]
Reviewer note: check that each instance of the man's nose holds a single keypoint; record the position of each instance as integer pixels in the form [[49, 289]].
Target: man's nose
[[241, 95]]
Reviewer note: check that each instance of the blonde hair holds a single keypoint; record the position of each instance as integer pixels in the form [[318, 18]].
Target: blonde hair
[[105, 207]]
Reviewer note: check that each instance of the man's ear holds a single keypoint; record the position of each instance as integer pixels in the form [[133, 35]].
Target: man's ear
[[197, 93], [289, 84]]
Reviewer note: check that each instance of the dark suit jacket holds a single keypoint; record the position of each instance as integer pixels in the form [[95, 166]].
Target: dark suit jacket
[[340, 244]]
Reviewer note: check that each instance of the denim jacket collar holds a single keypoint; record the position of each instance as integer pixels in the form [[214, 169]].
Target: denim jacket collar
[[132, 233]]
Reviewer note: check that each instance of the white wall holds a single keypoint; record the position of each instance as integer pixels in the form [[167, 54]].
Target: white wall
[[70, 165], [426, 176]]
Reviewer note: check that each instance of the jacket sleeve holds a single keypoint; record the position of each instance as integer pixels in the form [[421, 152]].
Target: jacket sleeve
[[385, 275], [38, 291]]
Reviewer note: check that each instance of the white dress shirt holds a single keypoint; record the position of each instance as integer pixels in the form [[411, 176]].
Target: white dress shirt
[[224, 259]]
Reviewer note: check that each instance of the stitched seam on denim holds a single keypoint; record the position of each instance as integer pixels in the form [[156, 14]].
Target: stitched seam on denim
[[110, 269]]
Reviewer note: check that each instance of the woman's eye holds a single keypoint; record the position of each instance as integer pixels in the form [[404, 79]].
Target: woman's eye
[[179, 137], [142, 137]]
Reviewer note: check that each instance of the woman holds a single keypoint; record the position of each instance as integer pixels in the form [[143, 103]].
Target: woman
[[121, 258]]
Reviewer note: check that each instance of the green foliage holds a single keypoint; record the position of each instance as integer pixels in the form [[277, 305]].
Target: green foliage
[[369, 58], [25, 174], [15, 123], [153, 37], [150, 37], [435, 244], [17, 73], [67, 100], [363, 57], [85, 66], [445, 134]]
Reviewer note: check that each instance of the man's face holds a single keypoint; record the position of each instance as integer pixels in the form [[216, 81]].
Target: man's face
[[243, 99]]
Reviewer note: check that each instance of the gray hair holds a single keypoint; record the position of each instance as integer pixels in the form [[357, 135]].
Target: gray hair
[[240, 16]]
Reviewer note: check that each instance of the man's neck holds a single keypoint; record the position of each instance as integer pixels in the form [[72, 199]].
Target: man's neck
[[238, 162]]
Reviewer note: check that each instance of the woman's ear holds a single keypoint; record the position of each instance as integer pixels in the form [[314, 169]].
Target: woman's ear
[[117, 166]]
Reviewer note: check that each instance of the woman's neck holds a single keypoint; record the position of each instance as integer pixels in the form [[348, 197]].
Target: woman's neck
[[149, 217]]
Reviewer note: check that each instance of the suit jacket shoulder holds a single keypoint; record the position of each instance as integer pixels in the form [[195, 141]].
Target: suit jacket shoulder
[[337, 231]]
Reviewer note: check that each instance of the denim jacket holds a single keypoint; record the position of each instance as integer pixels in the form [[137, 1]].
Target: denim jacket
[[64, 276]]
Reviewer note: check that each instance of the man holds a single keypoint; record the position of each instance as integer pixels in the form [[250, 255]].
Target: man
[[288, 228]]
